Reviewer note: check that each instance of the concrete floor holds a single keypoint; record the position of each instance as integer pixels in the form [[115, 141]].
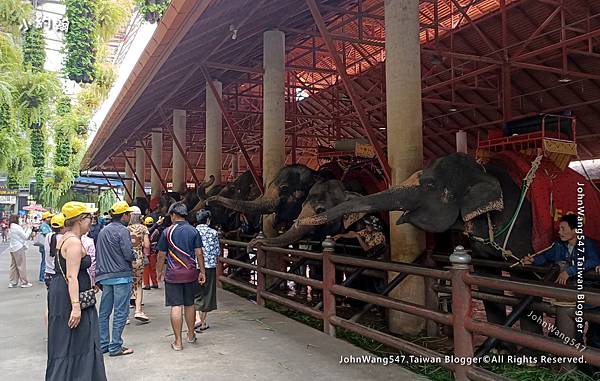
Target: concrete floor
[[244, 342]]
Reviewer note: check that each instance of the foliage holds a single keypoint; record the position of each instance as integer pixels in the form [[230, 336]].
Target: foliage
[[34, 53], [6, 117], [38, 154], [12, 14], [35, 91], [62, 139], [19, 166], [110, 16], [153, 10], [63, 105], [80, 39], [105, 200]]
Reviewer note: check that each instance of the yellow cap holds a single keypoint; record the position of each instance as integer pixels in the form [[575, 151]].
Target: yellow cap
[[58, 221], [46, 215], [148, 221], [120, 207], [75, 208]]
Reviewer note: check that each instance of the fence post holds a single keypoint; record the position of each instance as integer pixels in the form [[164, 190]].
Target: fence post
[[261, 261], [219, 263], [461, 310], [328, 281], [431, 297], [565, 324]]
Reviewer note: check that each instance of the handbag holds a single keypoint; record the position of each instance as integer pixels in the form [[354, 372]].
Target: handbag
[[87, 298], [39, 240]]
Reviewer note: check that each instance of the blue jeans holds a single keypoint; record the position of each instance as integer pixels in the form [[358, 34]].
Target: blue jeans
[[42, 264], [113, 297]]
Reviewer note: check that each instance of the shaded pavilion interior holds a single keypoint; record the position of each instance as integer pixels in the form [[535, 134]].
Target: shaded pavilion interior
[[483, 63]]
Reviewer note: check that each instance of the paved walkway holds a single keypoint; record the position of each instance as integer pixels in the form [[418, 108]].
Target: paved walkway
[[245, 342]]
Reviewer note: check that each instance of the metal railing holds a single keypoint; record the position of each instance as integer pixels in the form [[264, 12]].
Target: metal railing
[[463, 324]]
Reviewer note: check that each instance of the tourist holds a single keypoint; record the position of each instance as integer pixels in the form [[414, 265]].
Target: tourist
[[17, 245], [150, 267], [140, 241], [206, 300], [73, 341], [90, 249], [114, 256], [4, 224], [45, 229], [95, 228], [57, 224], [185, 269]]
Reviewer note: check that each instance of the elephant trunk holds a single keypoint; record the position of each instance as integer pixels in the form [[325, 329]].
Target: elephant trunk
[[207, 183], [261, 205], [398, 198], [293, 234]]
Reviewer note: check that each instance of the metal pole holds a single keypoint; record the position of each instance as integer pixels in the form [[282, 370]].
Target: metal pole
[[120, 178], [261, 262], [461, 310], [137, 179], [154, 167], [110, 185]]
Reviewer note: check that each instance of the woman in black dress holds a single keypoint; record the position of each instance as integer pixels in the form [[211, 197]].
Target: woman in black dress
[[73, 337]]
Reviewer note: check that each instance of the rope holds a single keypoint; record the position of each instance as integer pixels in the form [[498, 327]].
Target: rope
[[527, 181]]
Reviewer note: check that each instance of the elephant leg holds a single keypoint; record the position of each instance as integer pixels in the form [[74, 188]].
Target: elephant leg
[[495, 312]]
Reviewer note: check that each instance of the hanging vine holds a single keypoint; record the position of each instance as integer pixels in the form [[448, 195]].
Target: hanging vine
[[38, 154], [80, 59], [34, 53], [153, 10]]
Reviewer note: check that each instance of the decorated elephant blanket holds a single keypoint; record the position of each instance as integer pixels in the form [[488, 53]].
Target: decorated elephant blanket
[[553, 194]]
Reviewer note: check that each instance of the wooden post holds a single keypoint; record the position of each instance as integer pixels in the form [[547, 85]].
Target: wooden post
[[328, 281], [461, 310]]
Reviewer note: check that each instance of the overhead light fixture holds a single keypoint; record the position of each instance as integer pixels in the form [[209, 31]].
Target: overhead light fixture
[[382, 128], [565, 80], [452, 109], [288, 121]]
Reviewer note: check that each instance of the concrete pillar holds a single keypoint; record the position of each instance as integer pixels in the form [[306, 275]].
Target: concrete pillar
[[405, 143], [140, 171], [214, 134], [157, 159], [273, 149], [273, 104], [179, 183], [461, 141], [128, 183]]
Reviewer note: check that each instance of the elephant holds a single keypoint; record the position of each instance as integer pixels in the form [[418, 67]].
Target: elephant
[[191, 198], [243, 188], [454, 192], [282, 200]]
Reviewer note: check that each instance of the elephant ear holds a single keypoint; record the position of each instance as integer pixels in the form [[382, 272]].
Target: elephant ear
[[481, 198], [351, 218]]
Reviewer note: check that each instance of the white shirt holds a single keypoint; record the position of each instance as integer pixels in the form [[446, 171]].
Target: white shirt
[[17, 238]]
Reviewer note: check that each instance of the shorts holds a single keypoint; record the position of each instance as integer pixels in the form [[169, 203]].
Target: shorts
[[180, 294], [206, 299]]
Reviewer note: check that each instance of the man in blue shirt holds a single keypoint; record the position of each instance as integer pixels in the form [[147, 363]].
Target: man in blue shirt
[[180, 246], [114, 255], [570, 250]]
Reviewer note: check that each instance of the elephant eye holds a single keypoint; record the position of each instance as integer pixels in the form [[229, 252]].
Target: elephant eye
[[429, 185], [284, 189]]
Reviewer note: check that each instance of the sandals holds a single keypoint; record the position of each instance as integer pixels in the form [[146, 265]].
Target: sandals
[[142, 317], [176, 348], [203, 327], [122, 352], [192, 341]]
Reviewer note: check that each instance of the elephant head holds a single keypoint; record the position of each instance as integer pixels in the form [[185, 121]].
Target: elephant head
[[452, 189], [284, 195], [323, 196]]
